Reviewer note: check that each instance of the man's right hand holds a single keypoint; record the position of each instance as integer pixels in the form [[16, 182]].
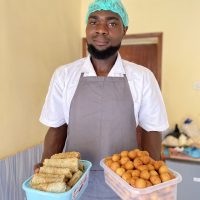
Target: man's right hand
[[37, 167], [54, 142]]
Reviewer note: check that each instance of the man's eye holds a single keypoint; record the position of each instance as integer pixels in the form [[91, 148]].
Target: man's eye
[[92, 22], [112, 24]]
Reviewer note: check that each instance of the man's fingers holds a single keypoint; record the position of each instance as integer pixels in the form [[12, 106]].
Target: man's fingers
[[36, 170], [37, 167]]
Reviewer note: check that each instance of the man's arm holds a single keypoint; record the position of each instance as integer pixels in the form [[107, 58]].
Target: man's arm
[[54, 142], [151, 142]]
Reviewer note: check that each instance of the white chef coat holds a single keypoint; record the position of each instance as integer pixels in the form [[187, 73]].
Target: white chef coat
[[149, 108]]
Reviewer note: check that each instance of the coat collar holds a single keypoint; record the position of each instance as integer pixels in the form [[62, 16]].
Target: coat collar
[[117, 69]]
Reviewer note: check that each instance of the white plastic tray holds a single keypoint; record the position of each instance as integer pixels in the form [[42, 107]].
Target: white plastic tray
[[163, 191]]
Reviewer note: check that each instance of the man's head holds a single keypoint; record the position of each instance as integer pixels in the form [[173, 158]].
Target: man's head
[[107, 23], [115, 6]]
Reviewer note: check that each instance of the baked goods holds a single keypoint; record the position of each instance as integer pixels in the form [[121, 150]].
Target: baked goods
[[51, 187], [67, 163], [74, 178], [71, 154], [44, 178], [138, 169], [56, 170], [59, 173]]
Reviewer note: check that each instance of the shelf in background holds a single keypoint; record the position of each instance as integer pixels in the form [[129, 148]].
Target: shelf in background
[[170, 153]]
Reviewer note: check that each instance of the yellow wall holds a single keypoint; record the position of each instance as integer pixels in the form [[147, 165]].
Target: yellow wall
[[35, 38], [179, 22]]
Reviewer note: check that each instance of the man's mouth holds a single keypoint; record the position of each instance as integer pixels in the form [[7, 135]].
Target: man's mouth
[[101, 41]]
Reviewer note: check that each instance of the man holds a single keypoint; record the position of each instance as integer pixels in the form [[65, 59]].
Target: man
[[96, 103]]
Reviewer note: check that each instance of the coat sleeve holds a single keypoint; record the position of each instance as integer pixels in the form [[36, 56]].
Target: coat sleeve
[[152, 113], [52, 114]]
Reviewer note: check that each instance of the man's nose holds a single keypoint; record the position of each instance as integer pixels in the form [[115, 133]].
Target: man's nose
[[102, 29]]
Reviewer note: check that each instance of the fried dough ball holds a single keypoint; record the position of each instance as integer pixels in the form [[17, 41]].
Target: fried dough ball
[[142, 167], [142, 153], [153, 173], [124, 160], [128, 180], [171, 175], [162, 162], [154, 196], [136, 150], [135, 173], [132, 154], [158, 164], [114, 166], [145, 174], [129, 165], [137, 162], [129, 171], [124, 154], [139, 153], [148, 183], [163, 169], [145, 159], [151, 161], [132, 181], [146, 153], [165, 177], [123, 166], [150, 167], [140, 183], [169, 189], [126, 176], [116, 157], [108, 162], [120, 171], [155, 179]]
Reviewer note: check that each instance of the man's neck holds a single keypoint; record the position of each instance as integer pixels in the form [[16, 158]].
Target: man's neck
[[103, 66]]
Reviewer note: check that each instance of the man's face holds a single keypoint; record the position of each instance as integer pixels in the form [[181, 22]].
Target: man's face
[[104, 30]]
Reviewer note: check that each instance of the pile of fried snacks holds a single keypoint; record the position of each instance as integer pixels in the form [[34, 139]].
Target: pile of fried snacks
[[138, 169], [59, 173]]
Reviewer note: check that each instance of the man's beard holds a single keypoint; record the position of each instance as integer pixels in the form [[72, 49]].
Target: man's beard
[[104, 54]]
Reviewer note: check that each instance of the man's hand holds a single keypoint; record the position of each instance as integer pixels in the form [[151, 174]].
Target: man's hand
[[54, 142], [151, 142], [37, 167]]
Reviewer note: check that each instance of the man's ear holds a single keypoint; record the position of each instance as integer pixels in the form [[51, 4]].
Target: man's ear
[[125, 30]]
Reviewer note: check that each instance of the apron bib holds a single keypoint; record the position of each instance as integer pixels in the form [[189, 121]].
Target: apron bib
[[101, 123]]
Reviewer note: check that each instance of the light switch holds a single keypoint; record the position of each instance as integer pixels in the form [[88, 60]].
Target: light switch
[[196, 179]]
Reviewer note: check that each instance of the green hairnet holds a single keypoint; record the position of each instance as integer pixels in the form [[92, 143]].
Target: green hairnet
[[115, 6]]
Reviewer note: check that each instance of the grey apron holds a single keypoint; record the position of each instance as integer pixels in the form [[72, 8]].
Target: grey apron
[[101, 123]]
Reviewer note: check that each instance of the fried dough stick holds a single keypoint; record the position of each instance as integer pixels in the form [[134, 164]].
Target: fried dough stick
[[56, 170], [76, 176], [38, 179], [72, 154], [51, 187], [70, 163]]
